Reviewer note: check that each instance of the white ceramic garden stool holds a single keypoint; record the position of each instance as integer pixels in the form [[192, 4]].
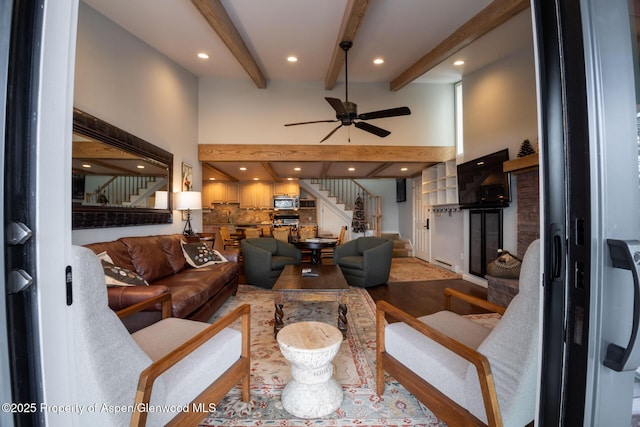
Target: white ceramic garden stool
[[311, 347]]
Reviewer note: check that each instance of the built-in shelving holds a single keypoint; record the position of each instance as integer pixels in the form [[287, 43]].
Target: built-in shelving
[[440, 184]]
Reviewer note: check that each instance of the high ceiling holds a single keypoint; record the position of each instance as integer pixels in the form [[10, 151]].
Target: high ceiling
[[251, 39]]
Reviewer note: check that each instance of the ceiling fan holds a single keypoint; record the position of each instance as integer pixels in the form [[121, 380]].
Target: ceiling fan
[[347, 112]]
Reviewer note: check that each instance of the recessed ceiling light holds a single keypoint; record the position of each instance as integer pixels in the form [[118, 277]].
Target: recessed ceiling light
[[378, 61], [404, 169], [297, 169], [289, 179], [140, 166], [458, 63], [256, 179], [212, 179], [292, 58], [86, 165], [203, 55], [351, 169], [243, 168]]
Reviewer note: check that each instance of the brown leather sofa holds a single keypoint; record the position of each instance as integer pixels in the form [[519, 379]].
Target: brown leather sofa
[[196, 293]]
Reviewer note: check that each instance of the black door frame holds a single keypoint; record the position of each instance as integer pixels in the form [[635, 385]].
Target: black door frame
[[19, 207], [566, 211]]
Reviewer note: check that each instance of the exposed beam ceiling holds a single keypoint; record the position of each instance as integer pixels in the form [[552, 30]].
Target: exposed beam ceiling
[[353, 16], [218, 18], [492, 16]]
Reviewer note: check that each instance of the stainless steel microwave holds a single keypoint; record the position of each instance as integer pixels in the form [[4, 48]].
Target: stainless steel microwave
[[286, 203]]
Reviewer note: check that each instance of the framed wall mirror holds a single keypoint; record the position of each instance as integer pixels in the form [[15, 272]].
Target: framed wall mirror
[[118, 179]]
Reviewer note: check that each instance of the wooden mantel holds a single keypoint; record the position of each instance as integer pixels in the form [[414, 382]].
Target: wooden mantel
[[331, 153], [521, 164]]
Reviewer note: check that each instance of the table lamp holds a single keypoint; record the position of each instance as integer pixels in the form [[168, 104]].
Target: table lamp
[[186, 201]]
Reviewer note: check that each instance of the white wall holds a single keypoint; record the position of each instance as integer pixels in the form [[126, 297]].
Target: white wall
[[499, 111], [499, 106], [127, 83], [235, 112]]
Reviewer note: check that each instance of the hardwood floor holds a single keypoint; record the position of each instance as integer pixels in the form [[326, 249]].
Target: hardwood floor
[[427, 297]]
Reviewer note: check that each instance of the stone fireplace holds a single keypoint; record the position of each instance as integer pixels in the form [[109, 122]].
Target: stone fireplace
[[525, 173]]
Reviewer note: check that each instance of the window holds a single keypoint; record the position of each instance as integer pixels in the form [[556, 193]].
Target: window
[[458, 118]]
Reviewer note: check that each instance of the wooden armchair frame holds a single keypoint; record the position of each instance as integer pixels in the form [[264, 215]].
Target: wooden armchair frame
[[239, 371], [441, 405]]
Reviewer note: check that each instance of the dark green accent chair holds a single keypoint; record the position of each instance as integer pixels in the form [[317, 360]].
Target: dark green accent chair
[[265, 258], [365, 261]]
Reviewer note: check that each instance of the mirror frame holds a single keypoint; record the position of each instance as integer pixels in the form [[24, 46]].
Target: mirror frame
[[86, 217]]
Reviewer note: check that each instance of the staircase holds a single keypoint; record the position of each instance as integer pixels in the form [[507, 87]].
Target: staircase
[[401, 247], [346, 192]]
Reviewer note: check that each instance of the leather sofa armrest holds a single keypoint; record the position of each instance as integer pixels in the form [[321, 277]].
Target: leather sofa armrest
[[230, 254], [125, 296]]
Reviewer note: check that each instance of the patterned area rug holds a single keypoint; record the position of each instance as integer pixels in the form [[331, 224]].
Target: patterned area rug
[[414, 269], [354, 369]]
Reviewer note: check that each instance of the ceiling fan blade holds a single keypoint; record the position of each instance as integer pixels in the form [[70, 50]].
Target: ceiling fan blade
[[372, 129], [315, 121], [338, 106], [331, 133], [381, 114]]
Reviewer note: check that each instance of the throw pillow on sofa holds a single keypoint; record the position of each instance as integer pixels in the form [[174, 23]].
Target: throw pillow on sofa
[[118, 276], [199, 255]]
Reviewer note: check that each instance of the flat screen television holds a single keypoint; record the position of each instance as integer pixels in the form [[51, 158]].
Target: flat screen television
[[482, 183]]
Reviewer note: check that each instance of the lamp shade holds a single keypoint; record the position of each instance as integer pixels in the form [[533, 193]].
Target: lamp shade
[[161, 200], [188, 200]]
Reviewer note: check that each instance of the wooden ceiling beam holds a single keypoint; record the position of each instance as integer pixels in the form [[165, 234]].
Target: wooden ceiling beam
[[492, 16], [379, 169], [325, 169], [323, 153], [267, 166], [217, 17], [218, 171], [353, 16]]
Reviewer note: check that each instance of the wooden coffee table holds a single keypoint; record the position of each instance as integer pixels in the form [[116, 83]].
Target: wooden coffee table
[[329, 285]]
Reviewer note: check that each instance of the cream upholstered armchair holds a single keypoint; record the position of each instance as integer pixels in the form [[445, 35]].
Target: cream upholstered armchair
[[465, 373], [173, 363]]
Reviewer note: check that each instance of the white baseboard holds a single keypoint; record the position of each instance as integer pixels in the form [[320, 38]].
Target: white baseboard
[[475, 279]]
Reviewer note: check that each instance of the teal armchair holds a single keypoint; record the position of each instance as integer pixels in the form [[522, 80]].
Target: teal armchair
[[365, 261], [265, 258]]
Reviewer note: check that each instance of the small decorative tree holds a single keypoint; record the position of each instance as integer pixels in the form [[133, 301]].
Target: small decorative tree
[[526, 149]]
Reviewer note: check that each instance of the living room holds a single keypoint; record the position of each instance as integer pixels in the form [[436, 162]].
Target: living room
[[596, 32], [127, 83]]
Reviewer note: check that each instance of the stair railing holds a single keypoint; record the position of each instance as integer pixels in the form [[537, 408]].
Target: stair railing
[[119, 190], [346, 191]]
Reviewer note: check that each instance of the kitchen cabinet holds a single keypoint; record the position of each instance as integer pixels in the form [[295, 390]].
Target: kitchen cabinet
[[286, 188], [219, 192], [256, 195]]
